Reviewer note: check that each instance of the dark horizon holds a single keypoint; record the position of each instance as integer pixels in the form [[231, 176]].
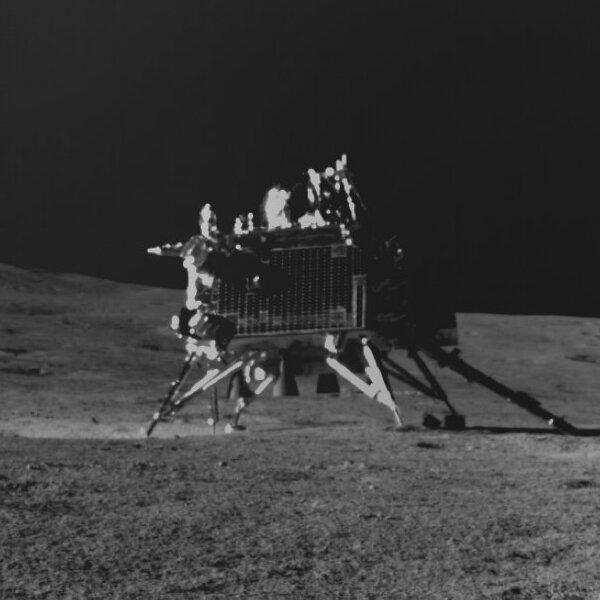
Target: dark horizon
[[472, 131]]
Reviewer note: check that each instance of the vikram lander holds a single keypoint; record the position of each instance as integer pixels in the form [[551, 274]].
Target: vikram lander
[[307, 286]]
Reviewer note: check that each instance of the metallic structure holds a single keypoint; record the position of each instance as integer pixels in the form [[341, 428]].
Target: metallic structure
[[326, 291], [309, 286]]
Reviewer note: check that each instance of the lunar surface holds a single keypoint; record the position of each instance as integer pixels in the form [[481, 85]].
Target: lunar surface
[[319, 497]]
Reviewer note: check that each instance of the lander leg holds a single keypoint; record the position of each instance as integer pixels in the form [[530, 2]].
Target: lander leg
[[166, 404], [244, 401], [211, 377], [213, 373], [377, 374], [239, 390], [431, 387], [378, 388], [214, 409]]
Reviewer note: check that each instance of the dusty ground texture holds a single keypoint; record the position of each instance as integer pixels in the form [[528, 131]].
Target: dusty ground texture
[[318, 498]]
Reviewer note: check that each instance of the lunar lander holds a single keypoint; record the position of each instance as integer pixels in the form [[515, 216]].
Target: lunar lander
[[305, 283]]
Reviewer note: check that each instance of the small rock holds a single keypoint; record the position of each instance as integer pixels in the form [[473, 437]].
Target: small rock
[[33, 467], [512, 592], [429, 445], [579, 484]]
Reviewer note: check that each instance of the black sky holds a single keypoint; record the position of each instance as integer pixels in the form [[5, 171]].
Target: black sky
[[472, 129]]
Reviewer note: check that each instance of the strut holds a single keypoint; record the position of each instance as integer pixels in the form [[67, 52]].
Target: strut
[[453, 361]]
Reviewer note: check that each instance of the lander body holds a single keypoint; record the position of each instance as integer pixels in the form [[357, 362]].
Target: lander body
[[306, 286]]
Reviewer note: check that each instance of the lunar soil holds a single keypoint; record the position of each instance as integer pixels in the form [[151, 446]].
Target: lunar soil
[[319, 497]]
